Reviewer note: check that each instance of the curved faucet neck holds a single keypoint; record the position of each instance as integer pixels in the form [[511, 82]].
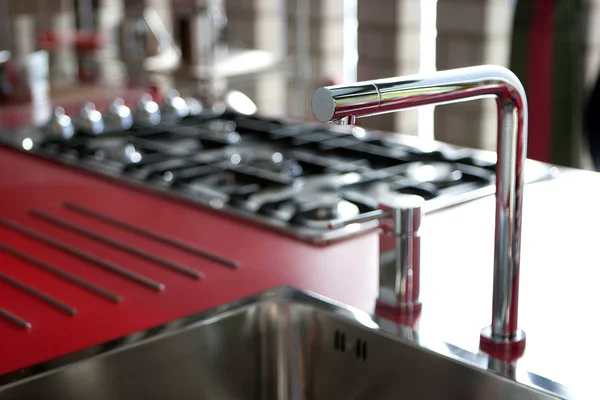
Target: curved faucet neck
[[364, 99]]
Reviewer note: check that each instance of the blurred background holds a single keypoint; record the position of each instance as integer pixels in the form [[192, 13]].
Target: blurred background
[[277, 52]]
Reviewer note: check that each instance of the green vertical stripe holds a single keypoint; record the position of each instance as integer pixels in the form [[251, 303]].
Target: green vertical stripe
[[568, 80]]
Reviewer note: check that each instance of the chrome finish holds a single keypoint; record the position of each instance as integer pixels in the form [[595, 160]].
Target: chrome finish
[[20, 322], [152, 235], [175, 106], [382, 96], [240, 103], [147, 111], [125, 273], [399, 285], [116, 244], [281, 344], [401, 217], [359, 219], [90, 120], [40, 295], [194, 105], [60, 126], [119, 116], [60, 273]]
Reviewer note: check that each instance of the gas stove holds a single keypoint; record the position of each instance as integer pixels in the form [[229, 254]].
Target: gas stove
[[291, 175]]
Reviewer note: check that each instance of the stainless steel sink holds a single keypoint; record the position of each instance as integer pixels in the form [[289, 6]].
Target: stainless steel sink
[[281, 344]]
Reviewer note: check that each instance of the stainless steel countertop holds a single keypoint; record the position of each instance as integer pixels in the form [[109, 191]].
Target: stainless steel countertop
[[559, 275]]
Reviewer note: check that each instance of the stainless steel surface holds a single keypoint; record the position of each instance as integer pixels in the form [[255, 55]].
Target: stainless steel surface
[[114, 243], [116, 269], [281, 344], [40, 295], [63, 274], [400, 217], [388, 95], [152, 235]]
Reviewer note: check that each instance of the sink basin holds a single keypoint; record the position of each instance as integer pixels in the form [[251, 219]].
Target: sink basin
[[281, 344]]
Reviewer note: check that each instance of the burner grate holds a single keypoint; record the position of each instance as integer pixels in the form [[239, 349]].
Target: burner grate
[[262, 168]]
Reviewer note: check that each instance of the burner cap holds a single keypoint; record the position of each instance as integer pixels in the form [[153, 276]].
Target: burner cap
[[435, 172], [324, 207]]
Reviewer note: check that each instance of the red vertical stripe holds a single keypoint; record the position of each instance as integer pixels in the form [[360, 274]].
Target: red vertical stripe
[[539, 80]]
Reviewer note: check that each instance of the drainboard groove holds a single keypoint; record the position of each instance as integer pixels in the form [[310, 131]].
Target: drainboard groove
[[40, 295], [125, 273], [111, 242], [20, 322], [65, 275], [152, 235]]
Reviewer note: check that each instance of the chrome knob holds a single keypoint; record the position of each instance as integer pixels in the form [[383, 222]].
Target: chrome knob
[[194, 106], [60, 126], [90, 120], [147, 111], [119, 115], [175, 106]]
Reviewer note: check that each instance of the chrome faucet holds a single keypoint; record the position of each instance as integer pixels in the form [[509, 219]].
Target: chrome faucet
[[345, 103]]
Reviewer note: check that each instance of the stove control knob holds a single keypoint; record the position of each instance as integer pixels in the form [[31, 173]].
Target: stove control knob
[[119, 115], [60, 126], [194, 106], [147, 111], [175, 106], [90, 120]]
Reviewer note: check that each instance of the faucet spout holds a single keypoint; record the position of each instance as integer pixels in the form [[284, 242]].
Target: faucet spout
[[364, 99]]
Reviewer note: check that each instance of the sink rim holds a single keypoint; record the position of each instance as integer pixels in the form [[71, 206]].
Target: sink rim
[[480, 362]]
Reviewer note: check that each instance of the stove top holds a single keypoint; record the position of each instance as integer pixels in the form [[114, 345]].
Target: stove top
[[291, 175]]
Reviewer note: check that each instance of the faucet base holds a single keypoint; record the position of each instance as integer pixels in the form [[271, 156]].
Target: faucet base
[[403, 315], [398, 310], [504, 349]]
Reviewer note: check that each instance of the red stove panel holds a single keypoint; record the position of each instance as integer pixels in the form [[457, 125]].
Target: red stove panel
[[84, 260]]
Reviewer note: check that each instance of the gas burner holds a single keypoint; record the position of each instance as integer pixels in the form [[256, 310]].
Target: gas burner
[[223, 130], [116, 150], [290, 175], [437, 173], [268, 160], [325, 208]]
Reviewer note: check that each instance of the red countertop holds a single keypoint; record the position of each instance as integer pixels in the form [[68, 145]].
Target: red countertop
[[346, 271]]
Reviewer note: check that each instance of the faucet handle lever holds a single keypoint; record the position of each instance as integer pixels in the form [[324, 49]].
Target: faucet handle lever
[[365, 217], [400, 214], [405, 213]]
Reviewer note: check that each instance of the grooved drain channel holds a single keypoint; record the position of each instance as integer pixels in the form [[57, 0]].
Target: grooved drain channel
[[22, 321]]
